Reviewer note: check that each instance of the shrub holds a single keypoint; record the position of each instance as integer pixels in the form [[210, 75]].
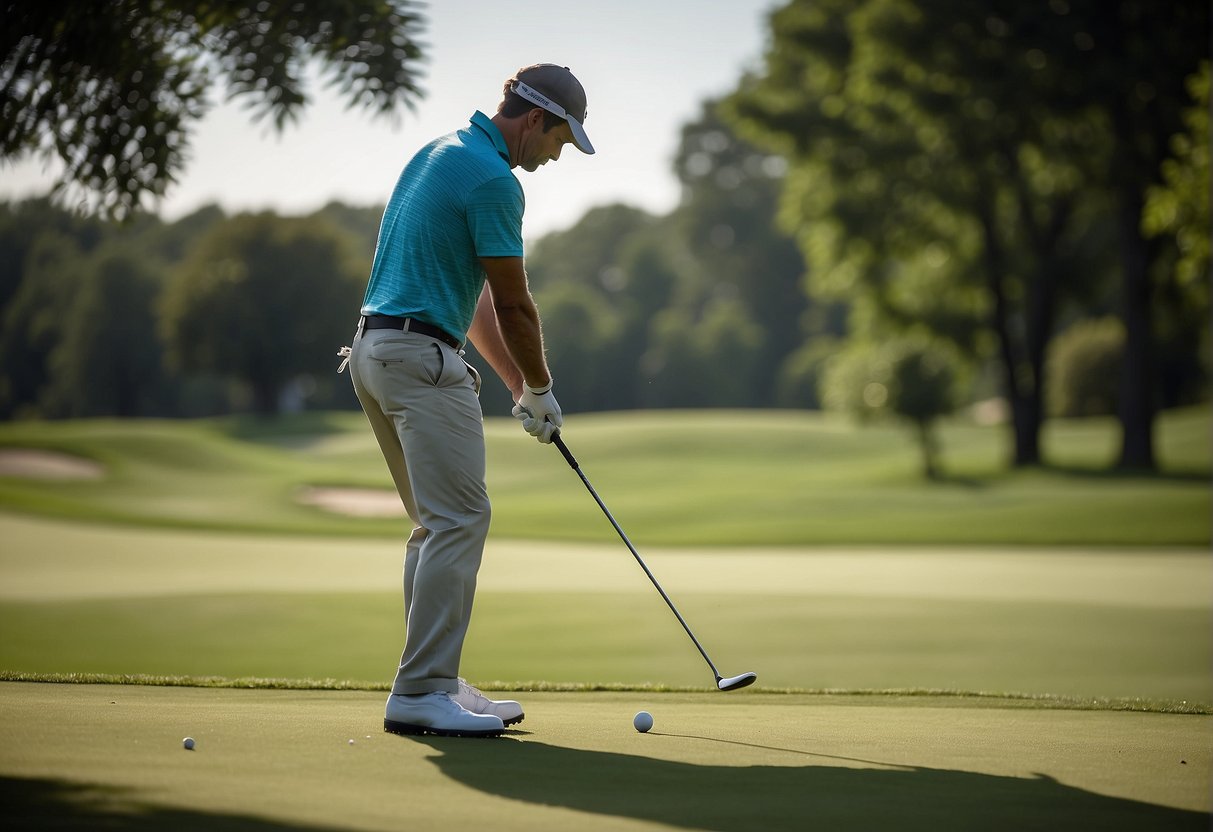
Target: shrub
[[1084, 368]]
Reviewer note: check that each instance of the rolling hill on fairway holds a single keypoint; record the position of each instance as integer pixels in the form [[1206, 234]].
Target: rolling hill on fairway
[[766, 478]]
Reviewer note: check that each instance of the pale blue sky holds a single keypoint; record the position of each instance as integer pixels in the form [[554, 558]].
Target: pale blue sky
[[646, 64]]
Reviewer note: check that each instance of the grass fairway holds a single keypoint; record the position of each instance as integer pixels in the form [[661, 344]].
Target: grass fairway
[[984, 677], [1088, 623], [100, 756], [753, 478]]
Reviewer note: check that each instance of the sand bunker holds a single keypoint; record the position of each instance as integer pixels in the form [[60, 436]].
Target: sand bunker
[[354, 502], [47, 465]]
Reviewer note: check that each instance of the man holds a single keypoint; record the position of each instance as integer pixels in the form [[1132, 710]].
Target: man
[[448, 267]]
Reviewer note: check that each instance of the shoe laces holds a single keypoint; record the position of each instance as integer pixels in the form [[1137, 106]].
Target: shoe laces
[[469, 690], [444, 700]]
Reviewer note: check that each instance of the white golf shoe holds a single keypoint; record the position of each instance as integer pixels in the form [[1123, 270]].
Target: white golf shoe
[[509, 711], [437, 713]]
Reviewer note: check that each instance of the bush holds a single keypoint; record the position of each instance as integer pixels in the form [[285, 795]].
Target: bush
[[1084, 369], [910, 378]]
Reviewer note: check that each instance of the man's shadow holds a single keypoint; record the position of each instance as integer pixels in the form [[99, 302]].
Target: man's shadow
[[806, 793]]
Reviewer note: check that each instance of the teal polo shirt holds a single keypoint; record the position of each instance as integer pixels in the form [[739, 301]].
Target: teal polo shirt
[[455, 201]]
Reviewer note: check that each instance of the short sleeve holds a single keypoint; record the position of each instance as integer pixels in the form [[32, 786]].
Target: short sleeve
[[494, 217]]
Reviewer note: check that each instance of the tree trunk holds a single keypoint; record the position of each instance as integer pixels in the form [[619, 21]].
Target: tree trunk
[[265, 398], [1136, 407], [926, 441], [1022, 393]]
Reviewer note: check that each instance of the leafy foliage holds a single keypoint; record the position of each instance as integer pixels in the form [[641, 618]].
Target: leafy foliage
[[113, 90], [106, 359], [1178, 207], [697, 308], [954, 165], [263, 299], [910, 378], [1086, 361]]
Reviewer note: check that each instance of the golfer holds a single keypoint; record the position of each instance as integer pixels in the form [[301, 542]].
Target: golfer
[[448, 269]]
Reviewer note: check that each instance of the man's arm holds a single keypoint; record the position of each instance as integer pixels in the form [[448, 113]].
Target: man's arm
[[506, 329]]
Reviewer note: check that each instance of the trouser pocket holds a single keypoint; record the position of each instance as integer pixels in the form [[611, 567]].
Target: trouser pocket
[[425, 360]]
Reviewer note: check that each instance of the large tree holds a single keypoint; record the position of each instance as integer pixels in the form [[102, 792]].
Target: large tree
[[107, 359], [1177, 209], [743, 301], [949, 167], [1139, 56], [112, 88], [263, 299], [31, 321]]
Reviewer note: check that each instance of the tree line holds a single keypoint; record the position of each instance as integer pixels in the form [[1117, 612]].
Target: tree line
[[910, 205]]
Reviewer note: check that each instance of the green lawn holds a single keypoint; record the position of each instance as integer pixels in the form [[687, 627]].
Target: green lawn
[[1000, 650], [762, 478], [101, 756], [1078, 623]]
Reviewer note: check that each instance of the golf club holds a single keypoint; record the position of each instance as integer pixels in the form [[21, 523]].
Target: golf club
[[729, 683]]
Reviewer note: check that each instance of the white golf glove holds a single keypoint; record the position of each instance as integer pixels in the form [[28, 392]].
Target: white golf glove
[[539, 412]]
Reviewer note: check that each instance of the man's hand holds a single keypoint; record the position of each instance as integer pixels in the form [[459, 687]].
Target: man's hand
[[539, 412]]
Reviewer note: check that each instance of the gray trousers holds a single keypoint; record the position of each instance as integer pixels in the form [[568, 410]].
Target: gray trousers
[[421, 399]]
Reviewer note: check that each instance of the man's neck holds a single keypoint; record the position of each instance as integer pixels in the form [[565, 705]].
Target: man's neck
[[510, 133]]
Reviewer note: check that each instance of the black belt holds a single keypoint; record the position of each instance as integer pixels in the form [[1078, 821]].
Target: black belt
[[410, 325]]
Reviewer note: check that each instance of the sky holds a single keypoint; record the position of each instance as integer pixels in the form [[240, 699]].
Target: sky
[[647, 66]]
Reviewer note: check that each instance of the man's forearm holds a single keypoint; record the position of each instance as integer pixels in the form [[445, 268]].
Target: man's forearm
[[486, 337], [508, 322], [523, 337]]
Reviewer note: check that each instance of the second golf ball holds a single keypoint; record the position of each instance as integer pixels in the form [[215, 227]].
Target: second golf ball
[[188, 743], [643, 721]]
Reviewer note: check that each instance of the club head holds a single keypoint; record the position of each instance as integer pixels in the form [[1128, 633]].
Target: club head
[[735, 682]]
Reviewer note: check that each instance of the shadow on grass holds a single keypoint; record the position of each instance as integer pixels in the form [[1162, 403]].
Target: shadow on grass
[[31, 803], [1116, 473], [287, 430], [989, 479], [800, 795]]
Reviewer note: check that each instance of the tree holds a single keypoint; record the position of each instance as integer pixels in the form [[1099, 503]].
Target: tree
[[711, 360], [33, 323], [1179, 204], [263, 299], [114, 89], [1177, 208], [740, 263], [911, 378], [107, 360], [1086, 361], [948, 167], [1141, 53], [598, 270]]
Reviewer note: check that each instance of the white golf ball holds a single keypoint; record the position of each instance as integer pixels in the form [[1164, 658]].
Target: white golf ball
[[643, 721], [188, 743]]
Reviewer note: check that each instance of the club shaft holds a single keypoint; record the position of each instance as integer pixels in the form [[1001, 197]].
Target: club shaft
[[623, 536]]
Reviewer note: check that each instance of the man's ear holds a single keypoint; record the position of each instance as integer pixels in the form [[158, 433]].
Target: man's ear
[[534, 117]]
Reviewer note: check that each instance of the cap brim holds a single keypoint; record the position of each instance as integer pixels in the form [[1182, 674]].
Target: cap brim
[[579, 137]]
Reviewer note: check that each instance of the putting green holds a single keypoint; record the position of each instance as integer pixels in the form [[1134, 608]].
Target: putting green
[[92, 756]]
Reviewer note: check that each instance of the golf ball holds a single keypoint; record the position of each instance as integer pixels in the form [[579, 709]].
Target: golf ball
[[188, 743], [643, 721]]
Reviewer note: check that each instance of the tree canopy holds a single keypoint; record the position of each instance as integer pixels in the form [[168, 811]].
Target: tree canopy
[[974, 167], [113, 89]]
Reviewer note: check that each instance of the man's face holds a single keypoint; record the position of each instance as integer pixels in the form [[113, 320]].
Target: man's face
[[537, 147]]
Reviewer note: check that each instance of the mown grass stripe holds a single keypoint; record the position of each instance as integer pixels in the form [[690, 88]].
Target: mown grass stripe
[[1009, 699]]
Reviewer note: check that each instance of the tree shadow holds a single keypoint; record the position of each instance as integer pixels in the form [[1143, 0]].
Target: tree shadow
[[799, 795], [291, 430], [43, 804], [1116, 473]]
